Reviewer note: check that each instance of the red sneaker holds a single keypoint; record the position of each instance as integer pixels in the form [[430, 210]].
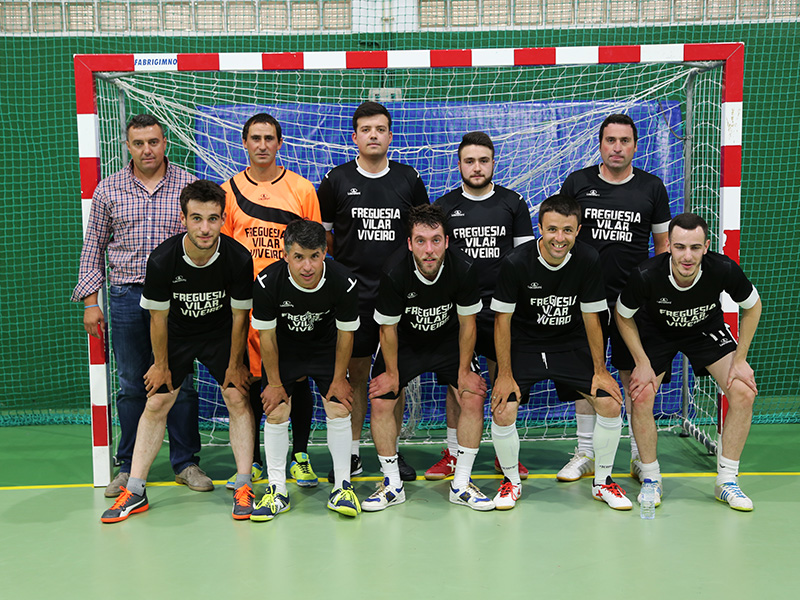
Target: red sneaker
[[445, 467]]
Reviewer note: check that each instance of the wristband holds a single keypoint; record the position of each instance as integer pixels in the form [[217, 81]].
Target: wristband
[[91, 306], [275, 386]]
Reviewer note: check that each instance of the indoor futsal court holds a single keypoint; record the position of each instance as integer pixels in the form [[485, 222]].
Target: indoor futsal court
[[708, 89]]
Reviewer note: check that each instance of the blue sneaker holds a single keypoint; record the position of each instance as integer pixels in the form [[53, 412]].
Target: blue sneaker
[[271, 504], [732, 494], [471, 496], [344, 501], [384, 497]]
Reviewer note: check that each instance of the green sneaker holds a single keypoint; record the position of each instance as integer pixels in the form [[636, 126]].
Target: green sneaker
[[300, 469], [270, 505], [256, 475], [344, 501]]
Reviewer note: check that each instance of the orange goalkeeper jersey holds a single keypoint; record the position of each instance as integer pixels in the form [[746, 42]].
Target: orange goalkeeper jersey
[[257, 213]]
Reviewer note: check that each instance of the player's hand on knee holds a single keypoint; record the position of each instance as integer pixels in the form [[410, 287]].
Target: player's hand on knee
[[643, 384], [602, 380], [156, 377], [272, 396], [741, 370], [471, 383], [383, 384], [342, 392], [504, 387], [239, 377]]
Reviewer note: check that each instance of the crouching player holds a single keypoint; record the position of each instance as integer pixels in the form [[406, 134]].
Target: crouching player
[[306, 311], [198, 289], [548, 298], [679, 294]]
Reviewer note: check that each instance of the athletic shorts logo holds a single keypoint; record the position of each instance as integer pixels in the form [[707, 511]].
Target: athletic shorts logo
[[353, 192], [456, 213], [593, 194]]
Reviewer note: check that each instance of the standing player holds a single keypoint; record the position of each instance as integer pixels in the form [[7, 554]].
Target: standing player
[[198, 291], [364, 205], [664, 309], [306, 310], [261, 201], [485, 221], [622, 206], [133, 211], [426, 308], [548, 299]]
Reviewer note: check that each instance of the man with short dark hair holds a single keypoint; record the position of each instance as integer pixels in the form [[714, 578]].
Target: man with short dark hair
[[364, 204], [622, 207], [672, 304], [305, 309], [198, 291], [134, 210], [485, 221], [548, 297], [426, 308], [261, 201]]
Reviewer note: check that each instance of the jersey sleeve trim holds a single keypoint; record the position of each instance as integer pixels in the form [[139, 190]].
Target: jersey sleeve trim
[[153, 304], [750, 301], [328, 226], [518, 241], [242, 304], [594, 307], [624, 310], [382, 319], [660, 227], [472, 309], [503, 307], [262, 325], [348, 325]]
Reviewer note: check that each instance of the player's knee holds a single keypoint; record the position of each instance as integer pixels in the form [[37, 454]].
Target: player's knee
[[471, 403], [606, 406], [235, 401], [507, 417], [160, 404], [280, 414], [741, 395], [335, 410], [382, 408]]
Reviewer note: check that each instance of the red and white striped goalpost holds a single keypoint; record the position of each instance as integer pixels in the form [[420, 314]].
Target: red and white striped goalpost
[[86, 65]]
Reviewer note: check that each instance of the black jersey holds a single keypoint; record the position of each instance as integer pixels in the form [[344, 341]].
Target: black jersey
[[547, 301], [367, 212], [678, 311], [427, 311], [303, 316], [486, 228], [618, 219], [199, 298]]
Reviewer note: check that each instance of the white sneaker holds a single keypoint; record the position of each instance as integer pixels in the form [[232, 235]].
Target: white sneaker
[[636, 469], [471, 496], [579, 465], [659, 492], [732, 494], [507, 495], [383, 497], [611, 494]]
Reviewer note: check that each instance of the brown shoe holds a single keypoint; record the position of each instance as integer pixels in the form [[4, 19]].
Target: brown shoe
[[113, 489], [195, 479]]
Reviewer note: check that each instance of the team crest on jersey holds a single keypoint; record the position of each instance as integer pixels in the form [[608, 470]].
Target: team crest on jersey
[[593, 194], [534, 286], [411, 295], [353, 192], [456, 213], [179, 279], [263, 197], [663, 300], [287, 304]]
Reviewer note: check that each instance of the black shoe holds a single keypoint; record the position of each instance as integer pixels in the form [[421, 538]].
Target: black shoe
[[407, 472], [355, 468]]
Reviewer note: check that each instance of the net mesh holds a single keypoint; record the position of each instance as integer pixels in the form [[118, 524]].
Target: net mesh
[[543, 121]]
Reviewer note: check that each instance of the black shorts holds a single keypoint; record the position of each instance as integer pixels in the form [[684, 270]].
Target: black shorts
[[441, 360], [701, 348], [571, 371], [367, 336], [295, 363], [212, 351], [484, 344]]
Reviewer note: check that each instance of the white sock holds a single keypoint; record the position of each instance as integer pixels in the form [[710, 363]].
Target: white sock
[[634, 447], [727, 470], [391, 470], [339, 438], [506, 446], [452, 440], [607, 432], [465, 458], [651, 471], [585, 432], [355, 447], [276, 448]]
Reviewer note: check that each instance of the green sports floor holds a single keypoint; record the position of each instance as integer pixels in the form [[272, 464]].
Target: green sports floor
[[557, 542]]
